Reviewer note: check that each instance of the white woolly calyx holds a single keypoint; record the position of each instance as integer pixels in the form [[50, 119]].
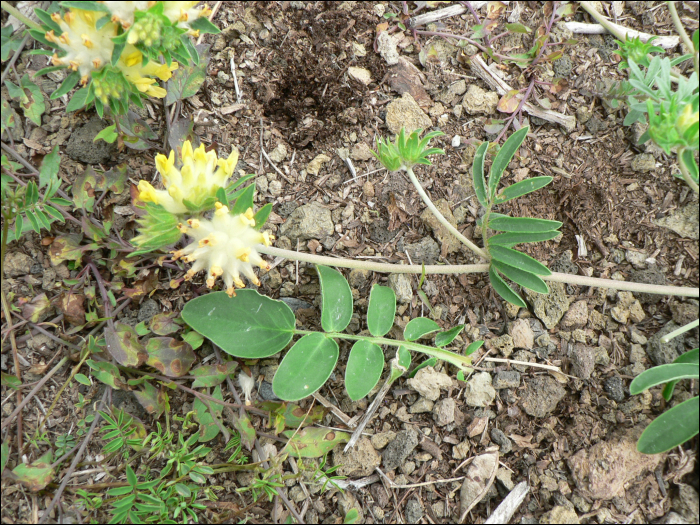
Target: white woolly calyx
[[224, 246]]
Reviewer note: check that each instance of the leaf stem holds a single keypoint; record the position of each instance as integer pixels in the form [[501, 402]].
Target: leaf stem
[[9, 8], [685, 38], [684, 171], [459, 361], [473, 247]]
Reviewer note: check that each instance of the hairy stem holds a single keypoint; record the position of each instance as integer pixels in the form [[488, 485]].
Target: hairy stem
[[581, 280], [473, 247], [8, 8], [685, 38]]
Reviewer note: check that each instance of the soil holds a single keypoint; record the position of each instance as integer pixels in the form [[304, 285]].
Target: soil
[[572, 440]]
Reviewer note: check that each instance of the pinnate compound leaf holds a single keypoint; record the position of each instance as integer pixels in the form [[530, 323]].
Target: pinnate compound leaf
[[503, 158], [364, 368], [446, 337], [207, 376], [523, 278], [523, 225], [510, 239], [672, 428], [522, 188], [336, 307], [518, 260], [418, 327], [381, 310], [505, 291], [663, 374], [478, 174], [306, 367], [249, 325], [171, 357], [313, 442]]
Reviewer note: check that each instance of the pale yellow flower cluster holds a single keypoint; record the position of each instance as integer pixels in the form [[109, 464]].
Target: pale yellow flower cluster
[[182, 12], [197, 179], [224, 246]]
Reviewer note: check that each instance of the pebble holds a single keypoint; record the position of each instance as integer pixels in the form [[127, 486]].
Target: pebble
[[506, 379], [479, 392], [522, 334]]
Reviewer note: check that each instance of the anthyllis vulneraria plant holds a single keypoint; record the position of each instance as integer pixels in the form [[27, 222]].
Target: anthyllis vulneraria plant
[[223, 245], [114, 49], [522, 269]]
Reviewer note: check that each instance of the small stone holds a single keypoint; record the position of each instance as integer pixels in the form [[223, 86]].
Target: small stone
[[17, 264], [637, 314], [275, 188], [266, 393], [427, 382], [479, 392], [414, 511], [81, 147], [407, 468], [506, 379], [560, 514], [360, 75], [576, 316], [582, 360], [386, 45], [620, 314], [649, 276], [522, 334], [381, 440], [683, 221], [426, 251], [361, 151], [498, 437], [401, 285], [405, 112], [368, 189], [461, 450], [636, 259], [601, 356], [665, 353], [444, 412], [398, 450], [421, 406], [310, 221], [147, 310], [638, 338], [615, 387], [504, 475], [643, 162], [279, 153], [448, 242], [476, 101], [504, 344], [549, 308], [360, 460], [316, 164], [542, 396]]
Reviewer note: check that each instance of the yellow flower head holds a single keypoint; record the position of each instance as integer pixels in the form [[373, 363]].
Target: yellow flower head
[[141, 76], [225, 247], [199, 178], [87, 48], [123, 12], [184, 12]]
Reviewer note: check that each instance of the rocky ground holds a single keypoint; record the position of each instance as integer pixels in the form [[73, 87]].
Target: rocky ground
[[572, 439]]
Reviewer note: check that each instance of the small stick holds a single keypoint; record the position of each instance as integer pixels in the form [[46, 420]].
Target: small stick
[[273, 165], [504, 512], [439, 14], [235, 80]]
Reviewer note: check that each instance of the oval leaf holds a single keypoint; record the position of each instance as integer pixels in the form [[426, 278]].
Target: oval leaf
[[169, 356], [523, 278], [381, 310], [336, 308], [249, 325], [473, 347], [305, 368], [418, 327], [313, 442], [503, 158], [523, 225], [663, 374], [522, 188], [518, 260], [505, 291], [672, 428], [691, 356], [404, 357], [365, 365], [446, 337]]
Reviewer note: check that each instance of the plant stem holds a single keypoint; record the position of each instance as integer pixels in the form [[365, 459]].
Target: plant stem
[[683, 329], [8, 8], [684, 171], [459, 361], [580, 280], [473, 247], [684, 37]]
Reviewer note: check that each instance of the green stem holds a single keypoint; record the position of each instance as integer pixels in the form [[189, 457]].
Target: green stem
[[459, 361], [684, 37], [683, 329], [684, 171], [473, 247], [556, 277], [8, 8]]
